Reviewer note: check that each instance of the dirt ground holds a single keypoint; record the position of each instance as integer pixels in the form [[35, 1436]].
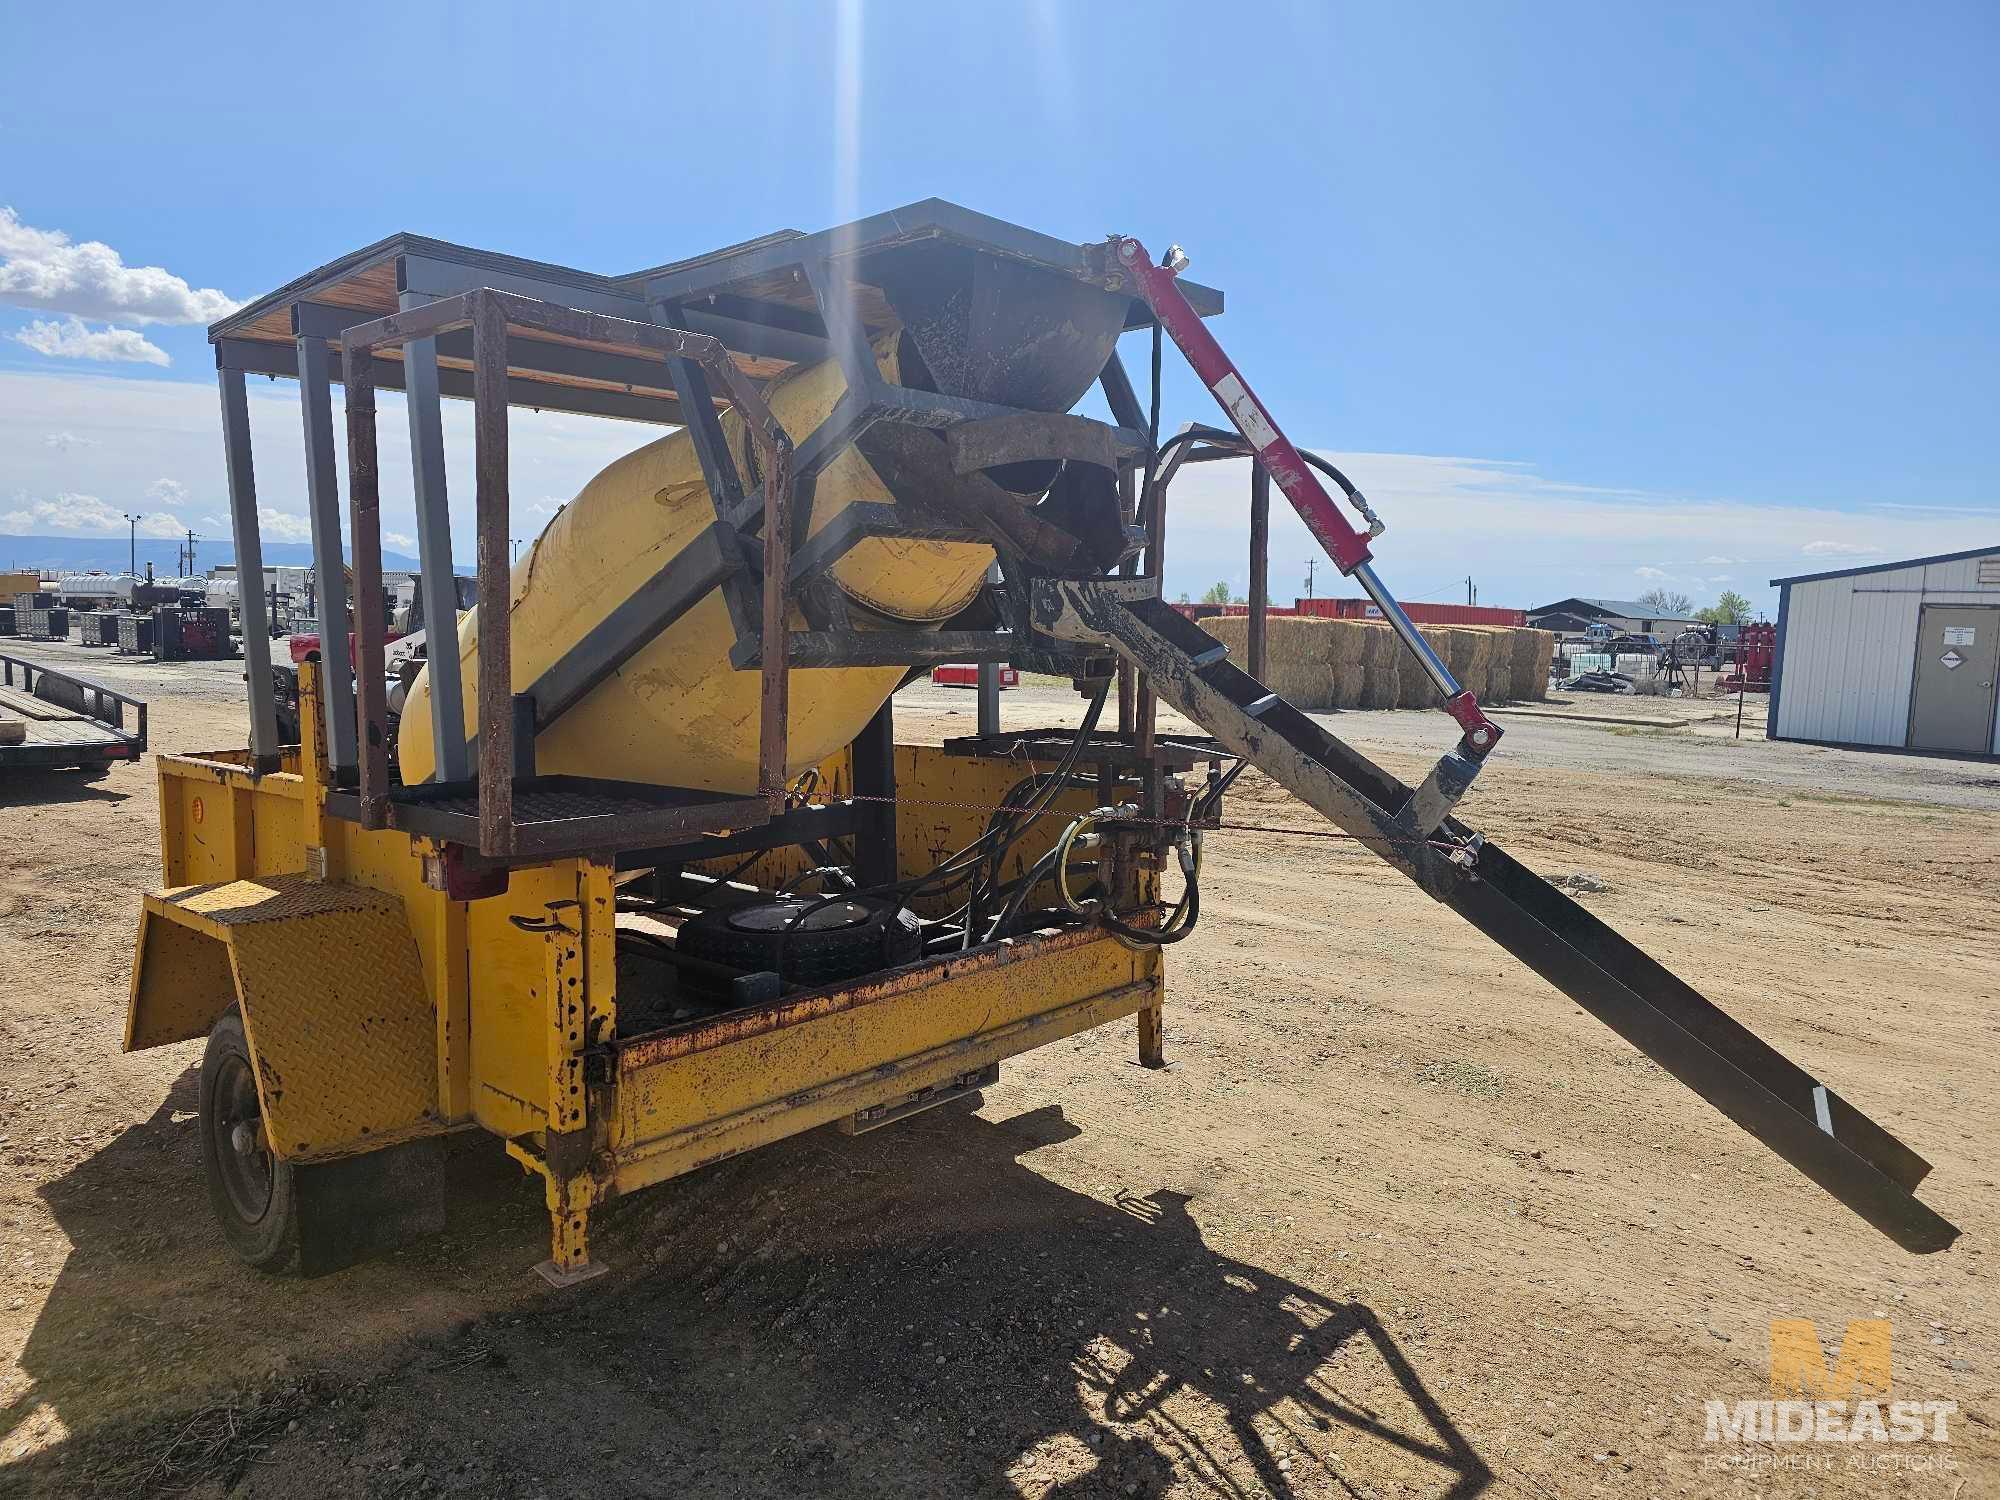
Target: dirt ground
[[1399, 1220]]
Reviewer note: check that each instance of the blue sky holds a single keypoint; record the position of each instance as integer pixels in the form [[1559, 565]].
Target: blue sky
[[1590, 298]]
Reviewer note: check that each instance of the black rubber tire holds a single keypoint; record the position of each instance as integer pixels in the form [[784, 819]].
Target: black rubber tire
[[809, 957], [266, 1235]]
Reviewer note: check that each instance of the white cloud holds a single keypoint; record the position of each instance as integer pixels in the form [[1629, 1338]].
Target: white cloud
[[72, 514], [1719, 562], [72, 338], [1825, 548], [44, 268], [402, 543], [167, 492], [1650, 572], [1525, 539], [64, 441], [282, 526], [133, 431]]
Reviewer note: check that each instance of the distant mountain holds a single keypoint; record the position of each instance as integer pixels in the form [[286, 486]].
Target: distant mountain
[[111, 554]]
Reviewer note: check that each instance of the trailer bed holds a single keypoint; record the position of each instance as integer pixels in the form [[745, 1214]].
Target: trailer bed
[[66, 721]]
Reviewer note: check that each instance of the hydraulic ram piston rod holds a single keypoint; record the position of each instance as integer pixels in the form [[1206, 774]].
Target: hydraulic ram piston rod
[[1347, 546]]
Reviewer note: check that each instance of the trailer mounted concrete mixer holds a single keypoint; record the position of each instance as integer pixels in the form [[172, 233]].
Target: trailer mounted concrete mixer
[[641, 877]]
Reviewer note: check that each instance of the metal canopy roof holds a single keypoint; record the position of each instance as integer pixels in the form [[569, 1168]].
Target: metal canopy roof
[[747, 295]]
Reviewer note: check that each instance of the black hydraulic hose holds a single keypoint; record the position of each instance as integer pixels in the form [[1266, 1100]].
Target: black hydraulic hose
[[1018, 823], [893, 896]]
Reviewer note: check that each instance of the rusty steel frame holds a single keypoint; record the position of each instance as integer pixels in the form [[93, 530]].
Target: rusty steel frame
[[490, 315]]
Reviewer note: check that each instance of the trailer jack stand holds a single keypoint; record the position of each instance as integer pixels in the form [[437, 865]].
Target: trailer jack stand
[[569, 1261]]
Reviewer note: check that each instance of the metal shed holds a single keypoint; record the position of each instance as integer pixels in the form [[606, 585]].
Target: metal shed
[[1903, 655]]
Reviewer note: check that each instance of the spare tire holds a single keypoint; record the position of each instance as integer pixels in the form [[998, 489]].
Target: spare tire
[[806, 941]]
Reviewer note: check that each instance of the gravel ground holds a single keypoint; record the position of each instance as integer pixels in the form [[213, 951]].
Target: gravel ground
[[1398, 1220]]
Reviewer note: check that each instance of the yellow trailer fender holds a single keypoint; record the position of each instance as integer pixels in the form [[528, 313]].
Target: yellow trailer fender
[[341, 1029]]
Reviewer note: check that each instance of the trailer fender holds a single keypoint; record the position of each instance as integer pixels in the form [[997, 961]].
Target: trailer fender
[[342, 1032]]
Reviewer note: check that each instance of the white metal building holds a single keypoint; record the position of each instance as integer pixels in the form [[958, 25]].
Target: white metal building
[[1901, 654]]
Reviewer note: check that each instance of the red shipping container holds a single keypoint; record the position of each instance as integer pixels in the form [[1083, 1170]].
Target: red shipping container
[[1422, 614], [956, 674]]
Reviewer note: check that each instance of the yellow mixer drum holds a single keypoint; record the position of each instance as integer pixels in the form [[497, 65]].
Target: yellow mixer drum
[[677, 713]]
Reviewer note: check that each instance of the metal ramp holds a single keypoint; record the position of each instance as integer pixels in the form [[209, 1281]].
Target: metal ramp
[[1786, 1108]]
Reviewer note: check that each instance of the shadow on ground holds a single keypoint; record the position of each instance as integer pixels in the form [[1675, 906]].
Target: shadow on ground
[[26, 788], [913, 1312]]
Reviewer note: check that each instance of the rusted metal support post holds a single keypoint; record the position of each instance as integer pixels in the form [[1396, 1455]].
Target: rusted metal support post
[[436, 578], [1260, 566], [364, 493], [496, 656], [249, 570], [329, 577], [1152, 1037]]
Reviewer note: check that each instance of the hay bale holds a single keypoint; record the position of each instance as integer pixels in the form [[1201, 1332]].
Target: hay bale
[[1470, 657], [1294, 667], [1531, 653], [1234, 632], [1346, 677], [1381, 686], [1499, 664], [1414, 688], [1380, 645]]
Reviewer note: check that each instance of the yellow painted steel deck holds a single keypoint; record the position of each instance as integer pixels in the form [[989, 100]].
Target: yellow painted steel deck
[[377, 1007]]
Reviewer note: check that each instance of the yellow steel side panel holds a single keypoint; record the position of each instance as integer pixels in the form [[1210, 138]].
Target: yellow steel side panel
[[803, 1074], [341, 1032], [507, 973], [220, 821], [943, 802], [277, 831], [181, 983], [391, 862]]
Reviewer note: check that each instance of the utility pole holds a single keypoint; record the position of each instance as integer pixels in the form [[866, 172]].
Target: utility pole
[[1311, 564], [1471, 594], [190, 555], [133, 562], [517, 549]]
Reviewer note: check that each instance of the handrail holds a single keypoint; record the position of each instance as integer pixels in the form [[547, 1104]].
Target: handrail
[[98, 693]]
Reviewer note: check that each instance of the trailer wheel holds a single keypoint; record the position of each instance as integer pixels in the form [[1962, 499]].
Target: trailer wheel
[[251, 1190]]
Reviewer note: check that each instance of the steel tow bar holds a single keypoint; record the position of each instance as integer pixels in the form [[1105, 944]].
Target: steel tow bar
[[1433, 800]]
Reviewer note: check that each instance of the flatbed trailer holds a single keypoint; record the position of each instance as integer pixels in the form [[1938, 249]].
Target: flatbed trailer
[[67, 722]]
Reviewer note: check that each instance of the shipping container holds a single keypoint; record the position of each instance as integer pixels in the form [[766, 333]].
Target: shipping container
[[1423, 614]]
